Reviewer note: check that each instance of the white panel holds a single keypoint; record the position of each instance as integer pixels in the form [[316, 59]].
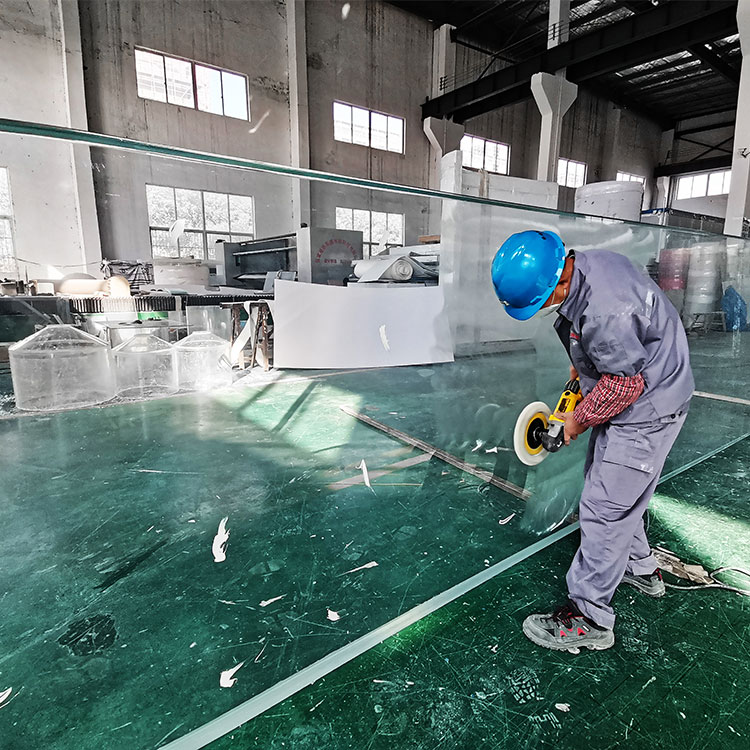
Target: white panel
[[322, 327]]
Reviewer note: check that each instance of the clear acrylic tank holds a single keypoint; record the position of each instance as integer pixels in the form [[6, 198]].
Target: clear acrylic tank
[[61, 367], [145, 367], [211, 318], [202, 362]]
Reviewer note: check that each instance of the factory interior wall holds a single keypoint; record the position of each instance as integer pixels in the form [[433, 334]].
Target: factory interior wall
[[121, 180], [218, 33], [41, 80], [607, 137], [378, 57], [709, 205], [392, 47]]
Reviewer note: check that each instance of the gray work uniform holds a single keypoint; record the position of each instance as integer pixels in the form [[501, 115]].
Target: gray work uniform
[[616, 321]]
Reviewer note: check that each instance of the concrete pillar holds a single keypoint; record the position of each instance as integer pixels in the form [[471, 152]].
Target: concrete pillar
[[738, 203], [553, 95], [444, 135], [81, 172], [299, 116], [443, 57], [559, 22], [666, 152]]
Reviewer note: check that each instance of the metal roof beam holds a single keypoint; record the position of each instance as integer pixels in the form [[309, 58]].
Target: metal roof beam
[[716, 63], [705, 128], [686, 167], [666, 29]]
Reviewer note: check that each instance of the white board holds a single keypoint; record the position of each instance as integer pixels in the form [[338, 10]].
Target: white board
[[327, 327]]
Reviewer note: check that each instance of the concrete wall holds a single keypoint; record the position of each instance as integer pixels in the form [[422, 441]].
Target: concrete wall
[[218, 32], [606, 137], [713, 205], [378, 57], [55, 224], [609, 139]]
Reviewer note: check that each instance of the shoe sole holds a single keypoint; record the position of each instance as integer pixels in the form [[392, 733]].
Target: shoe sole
[[644, 589], [539, 641]]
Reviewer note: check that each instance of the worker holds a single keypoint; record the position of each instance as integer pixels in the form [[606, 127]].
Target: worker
[[628, 347]]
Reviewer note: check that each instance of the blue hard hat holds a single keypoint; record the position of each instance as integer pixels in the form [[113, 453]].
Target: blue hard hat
[[525, 271]]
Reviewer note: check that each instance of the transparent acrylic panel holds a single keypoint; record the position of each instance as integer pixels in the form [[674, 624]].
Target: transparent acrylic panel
[[128, 507]]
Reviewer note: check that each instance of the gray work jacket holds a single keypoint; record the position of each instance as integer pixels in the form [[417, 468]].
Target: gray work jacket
[[616, 321]]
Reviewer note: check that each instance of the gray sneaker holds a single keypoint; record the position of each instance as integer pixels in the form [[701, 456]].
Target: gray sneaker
[[566, 629], [651, 585]]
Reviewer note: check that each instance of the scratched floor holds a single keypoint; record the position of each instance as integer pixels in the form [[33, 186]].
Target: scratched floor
[[678, 676], [116, 621]]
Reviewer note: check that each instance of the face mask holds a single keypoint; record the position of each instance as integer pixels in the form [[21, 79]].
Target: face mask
[[545, 311]]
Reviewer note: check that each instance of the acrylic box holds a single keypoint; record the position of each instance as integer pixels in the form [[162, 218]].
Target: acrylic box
[[145, 367], [203, 362], [61, 367]]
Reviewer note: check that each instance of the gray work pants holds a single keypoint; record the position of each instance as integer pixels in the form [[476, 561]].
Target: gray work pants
[[623, 466]]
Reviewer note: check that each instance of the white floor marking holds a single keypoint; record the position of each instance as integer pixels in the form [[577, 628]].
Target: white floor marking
[[5, 695]]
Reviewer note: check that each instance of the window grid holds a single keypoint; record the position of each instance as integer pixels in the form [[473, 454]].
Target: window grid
[[704, 184], [571, 173], [480, 153], [628, 177], [365, 127], [376, 226], [167, 205], [8, 265], [186, 83]]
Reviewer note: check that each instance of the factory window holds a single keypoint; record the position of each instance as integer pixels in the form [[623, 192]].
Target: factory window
[[164, 78], [7, 254], [483, 154], [367, 128], [186, 222], [701, 185], [377, 227], [571, 173], [627, 177]]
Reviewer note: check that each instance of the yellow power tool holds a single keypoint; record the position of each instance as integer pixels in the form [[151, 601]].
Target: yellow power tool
[[538, 432]]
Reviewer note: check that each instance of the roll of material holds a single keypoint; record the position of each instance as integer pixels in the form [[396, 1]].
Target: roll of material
[[389, 267], [703, 290], [673, 268]]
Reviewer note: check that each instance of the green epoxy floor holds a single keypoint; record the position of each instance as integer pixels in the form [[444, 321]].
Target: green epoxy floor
[[465, 677], [118, 623]]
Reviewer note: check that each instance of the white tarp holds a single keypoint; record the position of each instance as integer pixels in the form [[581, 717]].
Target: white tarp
[[328, 327]]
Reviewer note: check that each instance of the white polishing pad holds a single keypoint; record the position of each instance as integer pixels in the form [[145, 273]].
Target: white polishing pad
[[519, 433]]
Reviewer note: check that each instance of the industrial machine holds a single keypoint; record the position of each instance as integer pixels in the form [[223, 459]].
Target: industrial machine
[[538, 432]]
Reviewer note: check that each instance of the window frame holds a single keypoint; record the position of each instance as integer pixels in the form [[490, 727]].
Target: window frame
[[369, 244], [371, 112], [205, 232], [690, 179], [630, 177], [13, 258], [194, 78], [485, 141], [568, 162]]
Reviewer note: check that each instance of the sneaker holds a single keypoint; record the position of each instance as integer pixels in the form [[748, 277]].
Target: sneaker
[[651, 585], [566, 629]]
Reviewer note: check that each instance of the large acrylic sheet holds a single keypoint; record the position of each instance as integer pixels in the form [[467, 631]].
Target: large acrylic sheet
[[326, 327]]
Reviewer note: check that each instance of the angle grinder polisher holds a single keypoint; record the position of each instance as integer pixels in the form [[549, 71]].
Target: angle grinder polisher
[[538, 432]]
